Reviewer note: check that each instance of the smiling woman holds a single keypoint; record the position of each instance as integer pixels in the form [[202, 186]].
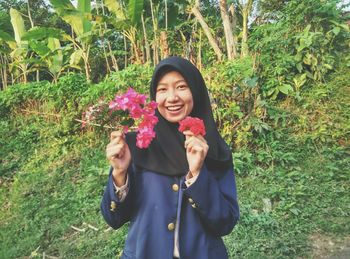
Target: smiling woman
[[179, 194]]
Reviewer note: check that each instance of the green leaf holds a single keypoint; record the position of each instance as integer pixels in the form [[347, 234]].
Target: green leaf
[[285, 88], [115, 8], [40, 48], [61, 5], [53, 44], [328, 66], [17, 24], [299, 67], [173, 14], [18, 52], [8, 39], [56, 60], [135, 8], [38, 33], [84, 6], [76, 57], [75, 19], [121, 25], [252, 82], [336, 30]]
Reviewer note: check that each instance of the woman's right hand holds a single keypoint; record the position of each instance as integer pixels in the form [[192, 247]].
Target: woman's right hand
[[119, 156]]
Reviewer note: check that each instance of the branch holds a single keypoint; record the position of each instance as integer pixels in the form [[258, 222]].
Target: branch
[[78, 229]]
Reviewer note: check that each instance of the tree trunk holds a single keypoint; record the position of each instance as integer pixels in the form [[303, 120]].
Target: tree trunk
[[166, 14], [85, 56], [103, 39], [32, 26], [131, 35], [3, 71], [164, 44], [155, 38], [147, 47], [207, 32], [113, 59], [199, 54], [227, 29], [245, 13], [126, 53], [233, 26]]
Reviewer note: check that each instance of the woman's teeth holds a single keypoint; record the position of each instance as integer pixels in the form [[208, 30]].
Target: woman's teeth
[[174, 108]]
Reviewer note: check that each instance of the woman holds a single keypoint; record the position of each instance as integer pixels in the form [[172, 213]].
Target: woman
[[179, 194]]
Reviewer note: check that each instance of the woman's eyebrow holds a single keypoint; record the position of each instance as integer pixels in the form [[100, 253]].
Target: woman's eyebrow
[[176, 82]]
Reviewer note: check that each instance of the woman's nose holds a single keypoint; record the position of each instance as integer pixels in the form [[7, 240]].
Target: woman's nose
[[172, 96]]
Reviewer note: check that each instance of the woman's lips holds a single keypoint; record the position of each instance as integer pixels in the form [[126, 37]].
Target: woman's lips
[[174, 108]]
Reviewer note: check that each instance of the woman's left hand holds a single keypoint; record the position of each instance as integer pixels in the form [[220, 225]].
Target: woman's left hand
[[196, 151]]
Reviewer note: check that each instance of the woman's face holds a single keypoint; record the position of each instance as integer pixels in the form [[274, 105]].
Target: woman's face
[[174, 97]]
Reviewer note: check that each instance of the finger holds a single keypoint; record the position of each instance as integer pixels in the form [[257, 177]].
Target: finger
[[195, 141], [201, 138], [188, 140], [115, 134], [115, 151], [196, 146], [117, 140], [188, 133]]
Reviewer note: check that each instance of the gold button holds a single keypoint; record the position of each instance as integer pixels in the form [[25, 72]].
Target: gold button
[[171, 226], [194, 206], [113, 206], [175, 187], [190, 200]]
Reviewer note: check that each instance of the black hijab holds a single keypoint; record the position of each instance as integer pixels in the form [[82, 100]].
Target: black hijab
[[166, 154]]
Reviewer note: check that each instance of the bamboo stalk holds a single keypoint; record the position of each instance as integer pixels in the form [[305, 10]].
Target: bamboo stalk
[[126, 53], [155, 39], [148, 50], [103, 41]]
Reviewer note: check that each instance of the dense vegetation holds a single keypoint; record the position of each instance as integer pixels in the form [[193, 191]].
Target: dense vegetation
[[282, 102]]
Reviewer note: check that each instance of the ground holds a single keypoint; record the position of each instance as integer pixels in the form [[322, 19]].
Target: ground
[[330, 247]]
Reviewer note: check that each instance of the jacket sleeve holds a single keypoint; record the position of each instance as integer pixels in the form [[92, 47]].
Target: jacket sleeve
[[114, 211], [215, 200]]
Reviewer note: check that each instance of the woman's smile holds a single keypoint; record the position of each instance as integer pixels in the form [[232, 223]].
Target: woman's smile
[[174, 108]]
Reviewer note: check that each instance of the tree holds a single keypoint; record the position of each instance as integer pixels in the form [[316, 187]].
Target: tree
[[230, 44], [195, 10], [19, 47], [79, 19], [128, 20], [246, 7]]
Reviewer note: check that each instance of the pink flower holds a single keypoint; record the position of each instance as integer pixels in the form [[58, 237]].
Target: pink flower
[[150, 107], [195, 125], [142, 113], [136, 111], [148, 121], [125, 129], [144, 137]]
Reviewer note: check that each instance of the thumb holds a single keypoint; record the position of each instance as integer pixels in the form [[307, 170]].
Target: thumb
[[188, 134]]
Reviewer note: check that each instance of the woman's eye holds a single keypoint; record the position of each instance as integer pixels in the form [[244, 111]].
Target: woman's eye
[[161, 89], [182, 86]]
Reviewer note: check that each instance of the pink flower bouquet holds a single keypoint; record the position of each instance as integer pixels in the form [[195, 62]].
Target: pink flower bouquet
[[126, 110]]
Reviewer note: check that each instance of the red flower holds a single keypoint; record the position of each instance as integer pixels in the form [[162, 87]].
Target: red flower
[[195, 125]]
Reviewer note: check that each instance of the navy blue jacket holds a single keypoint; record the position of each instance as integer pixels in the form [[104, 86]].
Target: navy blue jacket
[[207, 210]]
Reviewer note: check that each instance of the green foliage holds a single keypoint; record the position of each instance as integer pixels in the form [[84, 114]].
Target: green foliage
[[287, 63], [292, 174]]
